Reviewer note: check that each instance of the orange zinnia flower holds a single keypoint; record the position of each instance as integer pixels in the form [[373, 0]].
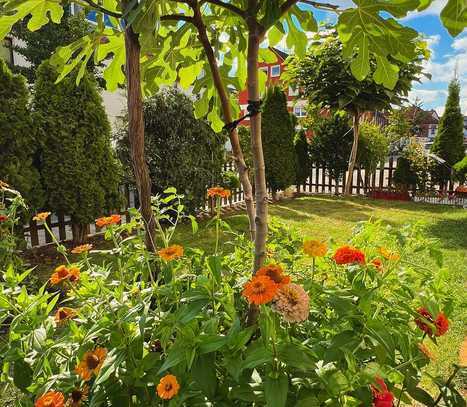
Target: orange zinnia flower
[[377, 263], [315, 248], [63, 314], [91, 363], [260, 290], [171, 253], [41, 216], [61, 273], [50, 399], [275, 273], [218, 191], [349, 255], [74, 274], [84, 248], [168, 387], [77, 396], [108, 220], [388, 254]]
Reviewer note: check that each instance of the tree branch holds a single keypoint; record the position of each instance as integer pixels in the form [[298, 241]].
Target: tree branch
[[103, 9], [177, 17], [287, 5], [227, 6], [323, 6]]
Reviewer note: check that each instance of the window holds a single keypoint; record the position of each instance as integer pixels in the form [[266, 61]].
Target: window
[[265, 70], [6, 51], [293, 92], [299, 111], [276, 70]]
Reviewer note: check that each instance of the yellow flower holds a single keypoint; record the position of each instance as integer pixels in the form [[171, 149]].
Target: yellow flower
[[41, 216], [315, 248]]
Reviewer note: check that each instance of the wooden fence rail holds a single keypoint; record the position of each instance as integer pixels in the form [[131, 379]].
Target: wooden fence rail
[[318, 182]]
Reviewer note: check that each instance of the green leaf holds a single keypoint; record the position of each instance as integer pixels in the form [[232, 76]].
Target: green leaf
[[454, 16], [22, 374], [256, 355], [274, 36], [360, 65], [215, 266], [188, 74], [420, 395], [211, 343], [40, 10], [204, 373], [276, 390], [386, 73]]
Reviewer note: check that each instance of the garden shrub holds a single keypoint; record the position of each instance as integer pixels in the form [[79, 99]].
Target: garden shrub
[[302, 158], [342, 326], [449, 140], [18, 143], [80, 173], [278, 130], [181, 151], [331, 143], [373, 146], [460, 170]]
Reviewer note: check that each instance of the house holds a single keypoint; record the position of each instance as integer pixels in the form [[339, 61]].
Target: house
[[274, 71]]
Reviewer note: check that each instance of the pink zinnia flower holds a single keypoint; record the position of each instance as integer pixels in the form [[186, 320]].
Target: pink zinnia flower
[[292, 302]]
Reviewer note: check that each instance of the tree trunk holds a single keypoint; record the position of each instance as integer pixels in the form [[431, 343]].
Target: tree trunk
[[240, 164], [136, 133], [79, 233], [353, 155], [261, 191]]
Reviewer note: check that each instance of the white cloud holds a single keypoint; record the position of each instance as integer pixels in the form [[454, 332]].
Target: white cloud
[[434, 9], [439, 110], [460, 44], [427, 96]]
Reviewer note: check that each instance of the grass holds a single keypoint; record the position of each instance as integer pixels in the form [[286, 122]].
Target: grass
[[326, 216]]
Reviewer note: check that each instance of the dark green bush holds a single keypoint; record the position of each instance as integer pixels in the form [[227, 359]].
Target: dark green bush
[[181, 151], [80, 173], [278, 140], [373, 146], [302, 160], [18, 145]]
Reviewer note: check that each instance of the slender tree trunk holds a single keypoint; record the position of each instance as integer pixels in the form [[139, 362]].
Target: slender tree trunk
[[227, 113], [261, 191], [79, 233], [353, 154], [136, 133]]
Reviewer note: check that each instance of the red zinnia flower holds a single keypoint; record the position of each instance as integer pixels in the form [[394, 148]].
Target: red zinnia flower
[[3, 218], [349, 255], [441, 323], [382, 397]]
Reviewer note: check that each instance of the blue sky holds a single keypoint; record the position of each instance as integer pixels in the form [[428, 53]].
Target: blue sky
[[446, 53]]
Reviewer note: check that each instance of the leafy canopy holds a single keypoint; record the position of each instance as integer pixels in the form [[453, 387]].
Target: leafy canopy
[[375, 44]]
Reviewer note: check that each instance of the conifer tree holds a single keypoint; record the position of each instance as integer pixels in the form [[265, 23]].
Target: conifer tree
[[449, 140], [79, 170], [278, 141], [17, 142]]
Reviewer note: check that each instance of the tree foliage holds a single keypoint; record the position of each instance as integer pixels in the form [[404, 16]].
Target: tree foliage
[[38, 46], [18, 144], [331, 143], [413, 166], [278, 140], [181, 151], [81, 175], [326, 78], [460, 169], [302, 157], [449, 140], [373, 147]]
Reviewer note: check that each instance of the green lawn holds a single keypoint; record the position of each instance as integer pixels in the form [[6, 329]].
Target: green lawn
[[326, 216]]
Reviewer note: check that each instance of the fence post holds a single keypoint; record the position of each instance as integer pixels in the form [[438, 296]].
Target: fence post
[[33, 233], [61, 227], [391, 169]]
